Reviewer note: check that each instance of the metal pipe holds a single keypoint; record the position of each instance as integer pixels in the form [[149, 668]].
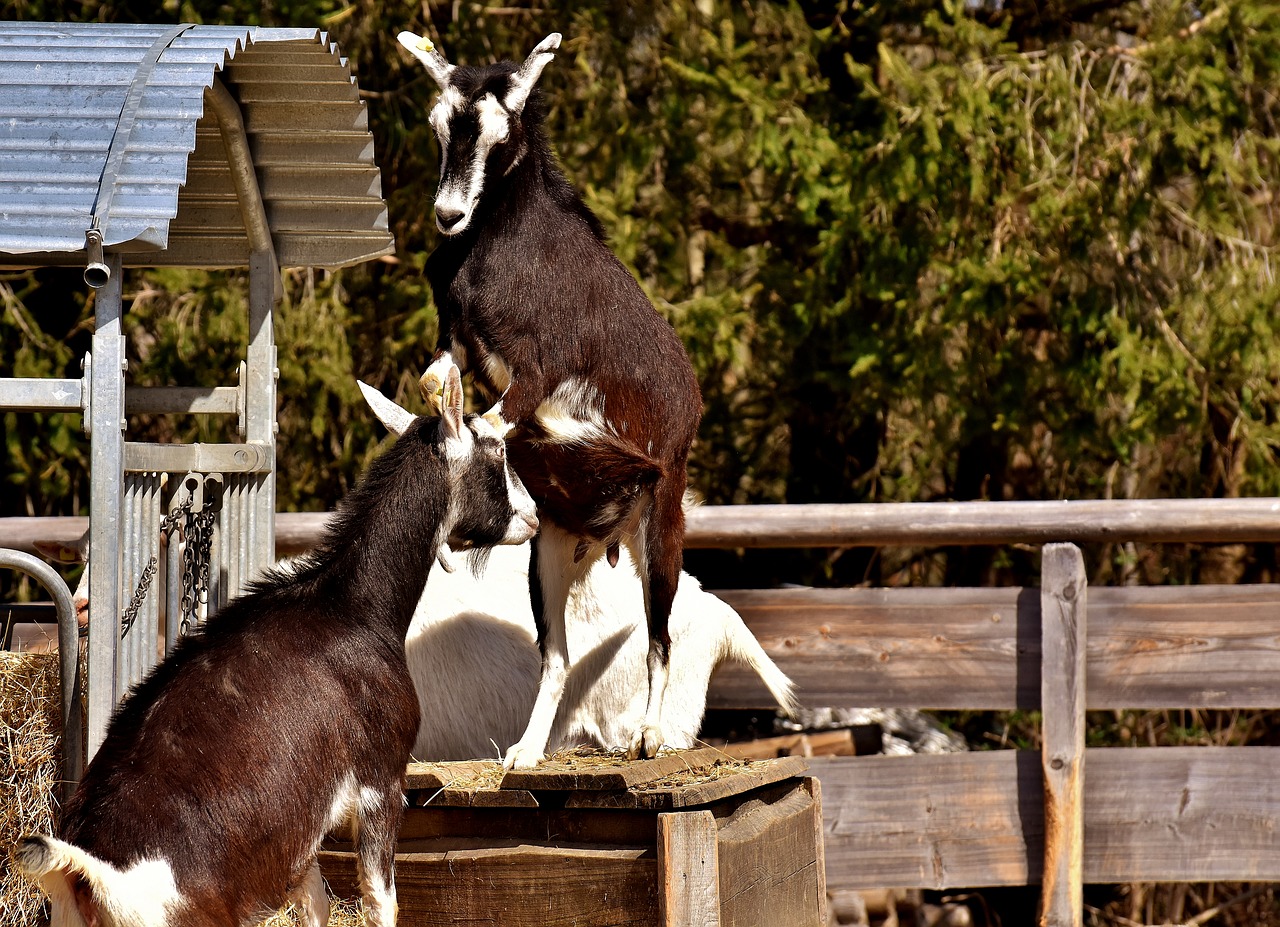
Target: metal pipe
[[106, 450], [240, 159], [96, 272], [68, 653]]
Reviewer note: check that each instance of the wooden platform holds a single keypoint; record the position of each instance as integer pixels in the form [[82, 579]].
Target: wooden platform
[[689, 839]]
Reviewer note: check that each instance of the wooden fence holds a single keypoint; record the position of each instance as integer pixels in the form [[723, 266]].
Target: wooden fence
[[1068, 814]]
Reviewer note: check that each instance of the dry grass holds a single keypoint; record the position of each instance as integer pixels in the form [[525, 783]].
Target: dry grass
[[342, 913], [31, 737]]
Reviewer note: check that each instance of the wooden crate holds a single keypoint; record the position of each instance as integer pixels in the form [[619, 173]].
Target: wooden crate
[[691, 839]]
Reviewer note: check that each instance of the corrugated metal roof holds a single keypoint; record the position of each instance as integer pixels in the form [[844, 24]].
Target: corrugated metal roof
[[62, 88]]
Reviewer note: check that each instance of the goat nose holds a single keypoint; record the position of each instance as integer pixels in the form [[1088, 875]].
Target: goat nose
[[448, 217]]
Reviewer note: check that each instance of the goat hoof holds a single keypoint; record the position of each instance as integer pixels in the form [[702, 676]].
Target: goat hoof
[[522, 757], [645, 744]]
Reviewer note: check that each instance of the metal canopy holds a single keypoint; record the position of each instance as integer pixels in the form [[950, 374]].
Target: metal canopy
[[113, 118]]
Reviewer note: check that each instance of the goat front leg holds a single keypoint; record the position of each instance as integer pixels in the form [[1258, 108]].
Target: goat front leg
[[552, 572], [376, 835]]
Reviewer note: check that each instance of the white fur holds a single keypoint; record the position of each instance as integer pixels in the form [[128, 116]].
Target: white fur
[[464, 188], [311, 901], [573, 413], [474, 659], [144, 895]]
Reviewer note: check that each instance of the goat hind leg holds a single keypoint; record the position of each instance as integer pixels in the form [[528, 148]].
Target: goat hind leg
[[658, 557]]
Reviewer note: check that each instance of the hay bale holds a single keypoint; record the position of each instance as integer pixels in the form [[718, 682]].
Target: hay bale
[[30, 760]]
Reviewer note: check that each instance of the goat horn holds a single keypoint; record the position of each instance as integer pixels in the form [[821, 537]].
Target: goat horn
[[396, 418], [523, 80], [431, 57]]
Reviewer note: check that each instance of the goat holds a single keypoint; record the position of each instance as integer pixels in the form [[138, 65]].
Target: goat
[[288, 714], [474, 661], [553, 328]]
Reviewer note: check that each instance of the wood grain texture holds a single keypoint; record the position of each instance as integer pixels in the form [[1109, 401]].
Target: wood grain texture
[[924, 523], [1063, 608], [688, 869], [553, 775], [771, 861], [521, 886], [932, 821], [674, 793], [1164, 814], [892, 648], [1152, 647]]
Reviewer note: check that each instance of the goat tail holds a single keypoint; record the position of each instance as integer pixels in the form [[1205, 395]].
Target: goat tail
[[741, 645], [85, 891]]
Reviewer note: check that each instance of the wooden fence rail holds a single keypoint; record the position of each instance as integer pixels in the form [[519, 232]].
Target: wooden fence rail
[[1067, 815], [911, 524], [1064, 816]]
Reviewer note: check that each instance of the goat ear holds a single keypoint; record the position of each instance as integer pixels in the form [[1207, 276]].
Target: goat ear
[[396, 418], [425, 51], [523, 80], [451, 406]]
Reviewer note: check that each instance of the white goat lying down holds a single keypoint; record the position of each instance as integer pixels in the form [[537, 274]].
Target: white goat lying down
[[473, 653]]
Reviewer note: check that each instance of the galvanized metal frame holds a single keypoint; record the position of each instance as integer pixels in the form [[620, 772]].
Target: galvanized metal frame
[[160, 115]]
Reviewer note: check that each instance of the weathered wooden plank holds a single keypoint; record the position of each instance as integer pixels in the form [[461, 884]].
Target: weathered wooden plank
[[529, 825], [688, 869], [1184, 647], [771, 861], [1182, 814], [932, 821], [1152, 647], [915, 524], [1166, 814], [1063, 608], [558, 776], [892, 648], [523, 886], [674, 792]]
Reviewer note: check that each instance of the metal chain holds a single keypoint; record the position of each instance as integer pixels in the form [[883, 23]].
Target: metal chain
[[167, 525], [201, 538], [197, 531]]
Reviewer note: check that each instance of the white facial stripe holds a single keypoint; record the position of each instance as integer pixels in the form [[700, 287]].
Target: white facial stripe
[[449, 103], [495, 127], [573, 413]]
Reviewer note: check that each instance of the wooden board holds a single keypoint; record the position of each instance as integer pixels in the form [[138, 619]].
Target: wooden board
[[673, 793], [770, 854], [570, 777], [1166, 814], [891, 648], [520, 886], [1148, 647], [1063, 607], [932, 821], [688, 869]]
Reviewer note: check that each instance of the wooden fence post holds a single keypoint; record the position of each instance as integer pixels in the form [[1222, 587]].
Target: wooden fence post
[[688, 869], [1063, 609]]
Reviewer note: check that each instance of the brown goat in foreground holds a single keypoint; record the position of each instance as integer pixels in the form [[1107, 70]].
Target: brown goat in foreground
[[291, 713]]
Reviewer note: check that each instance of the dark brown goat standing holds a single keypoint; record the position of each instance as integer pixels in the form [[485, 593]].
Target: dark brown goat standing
[[289, 714], [596, 384]]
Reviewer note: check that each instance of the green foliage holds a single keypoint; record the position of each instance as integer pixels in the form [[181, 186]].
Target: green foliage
[[917, 251]]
